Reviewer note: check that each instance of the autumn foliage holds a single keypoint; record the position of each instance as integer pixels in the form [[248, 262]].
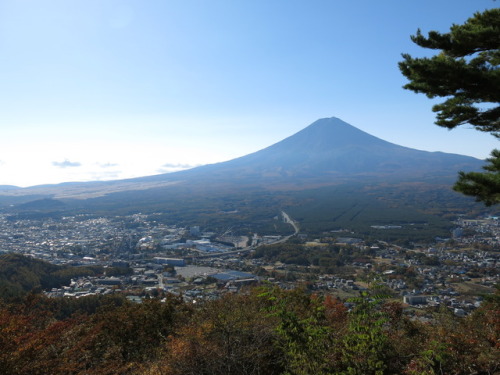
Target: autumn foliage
[[263, 331]]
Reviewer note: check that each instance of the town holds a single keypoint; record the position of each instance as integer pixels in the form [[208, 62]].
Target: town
[[161, 259]]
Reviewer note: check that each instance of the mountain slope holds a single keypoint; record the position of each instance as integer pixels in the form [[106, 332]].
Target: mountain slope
[[329, 151]]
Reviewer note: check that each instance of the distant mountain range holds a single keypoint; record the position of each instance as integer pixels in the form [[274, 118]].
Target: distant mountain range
[[328, 154]]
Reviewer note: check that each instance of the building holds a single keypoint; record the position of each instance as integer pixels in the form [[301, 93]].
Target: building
[[415, 300], [170, 261], [194, 231]]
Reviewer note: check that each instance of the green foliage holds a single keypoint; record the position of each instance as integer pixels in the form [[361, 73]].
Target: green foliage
[[288, 253], [304, 338], [324, 258], [485, 187], [417, 208], [428, 361], [244, 210], [364, 346], [466, 73], [119, 271]]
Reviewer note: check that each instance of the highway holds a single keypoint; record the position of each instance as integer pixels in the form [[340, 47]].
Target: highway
[[290, 221]]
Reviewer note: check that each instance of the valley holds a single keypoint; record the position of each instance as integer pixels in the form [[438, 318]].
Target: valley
[[157, 257]]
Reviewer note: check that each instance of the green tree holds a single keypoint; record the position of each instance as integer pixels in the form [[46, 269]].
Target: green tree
[[465, 72], [304, 337], [365, 345], [485, 186]]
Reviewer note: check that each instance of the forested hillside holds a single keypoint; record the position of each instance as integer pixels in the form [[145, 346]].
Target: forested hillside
[[20, 275]]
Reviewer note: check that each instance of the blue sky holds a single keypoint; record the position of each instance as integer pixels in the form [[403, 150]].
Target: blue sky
[[97, 90]]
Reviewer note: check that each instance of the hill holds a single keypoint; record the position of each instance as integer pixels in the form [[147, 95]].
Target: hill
[[20, 275]]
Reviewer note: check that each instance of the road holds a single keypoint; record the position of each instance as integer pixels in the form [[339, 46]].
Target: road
[[290, 221]]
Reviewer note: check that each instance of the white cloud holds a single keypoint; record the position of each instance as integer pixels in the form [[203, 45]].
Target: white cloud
[[107, 165], [175, 167], [179, 165], [66, 163]]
